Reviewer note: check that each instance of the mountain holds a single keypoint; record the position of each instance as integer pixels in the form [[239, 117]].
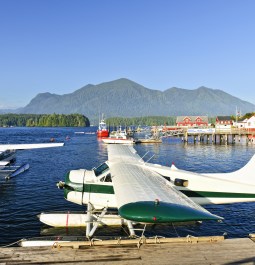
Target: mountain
[[125, 98]]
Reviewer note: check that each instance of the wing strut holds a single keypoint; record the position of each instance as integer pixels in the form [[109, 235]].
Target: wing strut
[[132, 229], [90, 232], [100, 217]]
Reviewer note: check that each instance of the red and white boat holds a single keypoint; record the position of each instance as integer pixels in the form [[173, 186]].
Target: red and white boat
[[102, 129]]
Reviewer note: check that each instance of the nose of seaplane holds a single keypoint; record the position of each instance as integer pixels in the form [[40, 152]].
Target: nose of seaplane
[[74, 184]]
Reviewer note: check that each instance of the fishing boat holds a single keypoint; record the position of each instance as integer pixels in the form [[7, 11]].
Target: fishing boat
[[102, 129], [149, 141], [118, 137], [153, 138]]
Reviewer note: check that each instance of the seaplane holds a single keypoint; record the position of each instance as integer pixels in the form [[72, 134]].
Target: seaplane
[[147, 193], [8, 157]]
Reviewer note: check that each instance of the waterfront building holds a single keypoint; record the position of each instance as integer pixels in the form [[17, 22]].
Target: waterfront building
[[223, 123], [192, 121], [247, 124]]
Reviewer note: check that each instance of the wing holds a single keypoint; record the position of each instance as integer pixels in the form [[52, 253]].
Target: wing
[[142, 195], [4, 147]]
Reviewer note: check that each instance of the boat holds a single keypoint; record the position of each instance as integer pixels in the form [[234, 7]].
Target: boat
[[102, 129], [148, 141], [118, 137], [89, 133], [154, 138]]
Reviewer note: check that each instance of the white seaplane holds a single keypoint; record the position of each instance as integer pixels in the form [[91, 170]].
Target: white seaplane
[[147, 193], [8, 156]]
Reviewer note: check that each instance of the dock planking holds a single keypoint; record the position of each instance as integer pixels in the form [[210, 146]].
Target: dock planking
[[228, 251]]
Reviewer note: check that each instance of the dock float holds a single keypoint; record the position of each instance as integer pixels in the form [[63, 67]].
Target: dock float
[[228, 251]]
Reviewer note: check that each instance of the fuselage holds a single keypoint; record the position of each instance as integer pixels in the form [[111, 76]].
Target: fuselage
[[95, 186]]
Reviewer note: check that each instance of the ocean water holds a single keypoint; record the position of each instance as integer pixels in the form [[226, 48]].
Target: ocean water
[[22, 198]]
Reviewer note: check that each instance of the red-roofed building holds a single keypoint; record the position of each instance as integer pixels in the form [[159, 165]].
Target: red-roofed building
[[192, 121]]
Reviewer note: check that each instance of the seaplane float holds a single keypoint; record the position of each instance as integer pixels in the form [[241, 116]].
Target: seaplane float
[[8, 157], [147, 193]]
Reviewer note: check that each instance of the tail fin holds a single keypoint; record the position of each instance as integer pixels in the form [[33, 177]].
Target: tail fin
[[248, 171]]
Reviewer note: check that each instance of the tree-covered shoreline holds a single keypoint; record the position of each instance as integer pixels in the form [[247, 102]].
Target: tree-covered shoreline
[[44, 120], [148, 120]]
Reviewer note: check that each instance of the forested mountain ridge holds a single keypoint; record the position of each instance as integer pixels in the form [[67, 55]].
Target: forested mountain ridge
[[125, 98]]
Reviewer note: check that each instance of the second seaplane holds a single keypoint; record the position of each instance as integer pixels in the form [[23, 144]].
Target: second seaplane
[[8, 157], [147, 193]]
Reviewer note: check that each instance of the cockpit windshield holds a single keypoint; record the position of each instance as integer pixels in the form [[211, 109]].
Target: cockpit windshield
[[100, 169]]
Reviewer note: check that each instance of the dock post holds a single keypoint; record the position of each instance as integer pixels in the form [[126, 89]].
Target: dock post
[[186, 137]]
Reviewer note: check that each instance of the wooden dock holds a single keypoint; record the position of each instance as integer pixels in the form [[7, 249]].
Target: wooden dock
[[221, 136], [228, 251]]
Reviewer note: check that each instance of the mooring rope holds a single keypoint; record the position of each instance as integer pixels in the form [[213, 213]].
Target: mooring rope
[[175, 230]]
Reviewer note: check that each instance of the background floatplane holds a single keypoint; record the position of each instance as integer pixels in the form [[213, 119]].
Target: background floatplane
[[147, 193], [8, 157]]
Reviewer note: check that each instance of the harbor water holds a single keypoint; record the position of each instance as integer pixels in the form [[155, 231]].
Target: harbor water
[[23, 197]]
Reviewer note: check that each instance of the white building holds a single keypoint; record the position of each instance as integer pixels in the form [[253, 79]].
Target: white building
[[250, 123], [247, 124]]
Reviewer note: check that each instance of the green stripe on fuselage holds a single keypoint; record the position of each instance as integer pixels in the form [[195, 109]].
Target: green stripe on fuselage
[[89, 188], [108, 189], [211, 194], [95, 188]]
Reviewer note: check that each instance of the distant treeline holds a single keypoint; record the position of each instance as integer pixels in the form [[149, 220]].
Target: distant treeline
[[43, 120], [149, 120], [246, 116]]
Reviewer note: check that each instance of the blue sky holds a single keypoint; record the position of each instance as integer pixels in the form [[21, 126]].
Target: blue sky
[[58, 46]]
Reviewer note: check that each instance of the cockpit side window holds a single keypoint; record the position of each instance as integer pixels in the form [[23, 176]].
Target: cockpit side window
[[107, 178], [100, 169]]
